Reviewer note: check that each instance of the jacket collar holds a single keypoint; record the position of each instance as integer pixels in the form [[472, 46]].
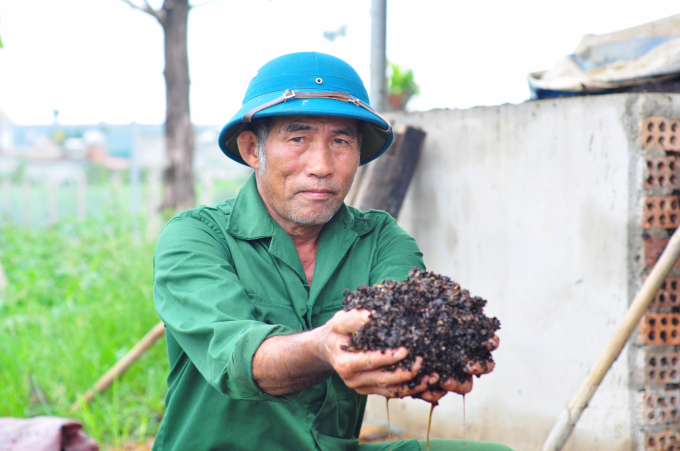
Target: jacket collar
[[250, 220]]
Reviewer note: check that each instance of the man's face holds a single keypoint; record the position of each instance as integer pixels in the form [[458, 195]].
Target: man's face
[[310, 166]]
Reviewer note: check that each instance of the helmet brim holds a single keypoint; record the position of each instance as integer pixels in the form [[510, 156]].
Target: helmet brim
[[376, 134]]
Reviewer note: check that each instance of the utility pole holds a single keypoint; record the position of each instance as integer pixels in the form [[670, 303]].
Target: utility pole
[[378, 95]]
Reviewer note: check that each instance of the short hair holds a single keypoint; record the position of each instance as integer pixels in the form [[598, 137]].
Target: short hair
[[261, 127]]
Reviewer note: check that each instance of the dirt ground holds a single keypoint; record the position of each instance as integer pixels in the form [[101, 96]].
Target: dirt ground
[[130, 446]]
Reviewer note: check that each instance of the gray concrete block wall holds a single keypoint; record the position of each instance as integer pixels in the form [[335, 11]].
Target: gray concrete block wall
[[537, 207]]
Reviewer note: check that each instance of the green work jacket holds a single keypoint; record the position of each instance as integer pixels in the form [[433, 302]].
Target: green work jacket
[[228, 277]]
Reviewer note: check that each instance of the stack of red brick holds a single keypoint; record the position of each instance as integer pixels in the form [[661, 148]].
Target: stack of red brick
[[659, 330]]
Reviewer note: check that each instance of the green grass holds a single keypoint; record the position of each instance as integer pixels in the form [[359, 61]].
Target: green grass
[[79, 297]]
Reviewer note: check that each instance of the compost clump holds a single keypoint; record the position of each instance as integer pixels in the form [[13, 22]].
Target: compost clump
[[430, 315]]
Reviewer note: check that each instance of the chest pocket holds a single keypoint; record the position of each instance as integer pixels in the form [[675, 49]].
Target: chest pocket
[[327, 313], [268, 313]]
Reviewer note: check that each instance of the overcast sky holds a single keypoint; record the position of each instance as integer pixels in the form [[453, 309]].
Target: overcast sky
[[101, 61]]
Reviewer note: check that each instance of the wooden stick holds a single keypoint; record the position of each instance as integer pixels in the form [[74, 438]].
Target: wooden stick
[[122, 365], [567, 421]]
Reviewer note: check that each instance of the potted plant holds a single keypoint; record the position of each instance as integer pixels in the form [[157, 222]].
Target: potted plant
[[401, 86]]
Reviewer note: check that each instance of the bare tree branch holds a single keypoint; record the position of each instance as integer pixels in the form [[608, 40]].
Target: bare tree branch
[[146, 2], [146, 9], [205, 3]]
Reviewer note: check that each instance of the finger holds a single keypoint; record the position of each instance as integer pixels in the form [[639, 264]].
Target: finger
[[492, 343], [394, 391], [479, 368], [381, 378], [433, 379], [425, 389], [426, 382], [453, 385], [387, 392], [346, 323], [354, 362], [432, 396], [401, 391]]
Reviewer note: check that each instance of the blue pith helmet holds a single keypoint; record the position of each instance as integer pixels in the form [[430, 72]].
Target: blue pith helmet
[[314, 84]]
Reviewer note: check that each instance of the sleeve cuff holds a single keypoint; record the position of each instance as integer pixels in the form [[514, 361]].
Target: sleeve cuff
[[239, 378]]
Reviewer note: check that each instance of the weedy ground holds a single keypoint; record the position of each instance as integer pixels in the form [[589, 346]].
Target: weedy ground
[[79, 297]]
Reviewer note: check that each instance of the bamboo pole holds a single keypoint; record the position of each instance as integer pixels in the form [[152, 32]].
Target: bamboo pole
[[121, 366], [567, 421]]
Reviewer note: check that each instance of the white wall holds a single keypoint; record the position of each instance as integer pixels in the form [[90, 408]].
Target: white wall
[[533, 207]]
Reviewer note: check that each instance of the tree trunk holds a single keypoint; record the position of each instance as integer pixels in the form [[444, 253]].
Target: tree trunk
[[178, 174]]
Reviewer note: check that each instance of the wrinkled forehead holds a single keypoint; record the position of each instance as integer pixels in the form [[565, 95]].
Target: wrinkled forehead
[[284, 124]]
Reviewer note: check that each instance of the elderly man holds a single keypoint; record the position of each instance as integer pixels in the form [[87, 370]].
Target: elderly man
[[250, 290]]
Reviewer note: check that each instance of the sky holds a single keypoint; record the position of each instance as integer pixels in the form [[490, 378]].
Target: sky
[[101, 61]]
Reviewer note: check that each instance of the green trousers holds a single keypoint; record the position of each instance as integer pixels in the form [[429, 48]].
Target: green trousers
[[436, 444], [441, 444]]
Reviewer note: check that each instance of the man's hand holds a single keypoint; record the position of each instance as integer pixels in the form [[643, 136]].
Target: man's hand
[[453, 385], [288, 363], [363, 371]]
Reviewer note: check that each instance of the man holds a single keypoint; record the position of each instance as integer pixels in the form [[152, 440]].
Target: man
[[251, 290]]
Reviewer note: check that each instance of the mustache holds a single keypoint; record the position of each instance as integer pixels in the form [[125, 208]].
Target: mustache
[[327, 186]]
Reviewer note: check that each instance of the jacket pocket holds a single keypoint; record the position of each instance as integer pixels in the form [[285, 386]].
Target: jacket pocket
[[268, 313], [328, 443], [327, 312]]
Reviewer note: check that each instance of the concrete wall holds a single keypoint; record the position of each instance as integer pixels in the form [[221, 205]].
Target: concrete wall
[[535, 207]]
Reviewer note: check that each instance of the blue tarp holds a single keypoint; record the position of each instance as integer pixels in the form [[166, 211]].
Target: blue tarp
[[607, 63]]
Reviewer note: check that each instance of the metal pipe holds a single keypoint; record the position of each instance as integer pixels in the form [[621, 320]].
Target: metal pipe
[[378, 94]]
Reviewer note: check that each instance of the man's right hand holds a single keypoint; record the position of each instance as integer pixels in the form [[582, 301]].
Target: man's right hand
[[363, 371]]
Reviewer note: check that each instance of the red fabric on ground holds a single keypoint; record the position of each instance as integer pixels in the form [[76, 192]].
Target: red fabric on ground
[[44, 434]]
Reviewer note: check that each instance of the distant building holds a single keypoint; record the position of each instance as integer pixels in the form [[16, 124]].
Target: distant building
[[110, 146]]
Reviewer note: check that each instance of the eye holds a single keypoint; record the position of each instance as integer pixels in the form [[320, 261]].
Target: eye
[[340, 141], [297, 139]]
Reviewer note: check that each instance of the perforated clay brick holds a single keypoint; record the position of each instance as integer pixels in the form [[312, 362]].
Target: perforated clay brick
[[660, 329], [662, 441], [653, 248], [662, 367], [661, 406], [660, 133], [668, 295], [662, 172], [661, 212]]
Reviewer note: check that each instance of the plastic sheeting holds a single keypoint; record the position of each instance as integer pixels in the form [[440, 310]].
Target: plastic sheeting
[[605, 63]]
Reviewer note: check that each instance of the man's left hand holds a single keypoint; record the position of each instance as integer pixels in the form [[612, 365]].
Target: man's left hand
[[453, 385]]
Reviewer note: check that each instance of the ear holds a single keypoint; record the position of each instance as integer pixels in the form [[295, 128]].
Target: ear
[[247, 147]]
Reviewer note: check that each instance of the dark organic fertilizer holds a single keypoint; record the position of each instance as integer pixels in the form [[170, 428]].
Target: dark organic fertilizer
[[431, 316]]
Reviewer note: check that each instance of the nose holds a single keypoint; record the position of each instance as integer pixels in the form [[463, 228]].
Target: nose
[[319, 162]]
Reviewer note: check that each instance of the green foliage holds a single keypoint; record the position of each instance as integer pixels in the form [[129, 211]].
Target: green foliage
[[79, 297], [401, 80]]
